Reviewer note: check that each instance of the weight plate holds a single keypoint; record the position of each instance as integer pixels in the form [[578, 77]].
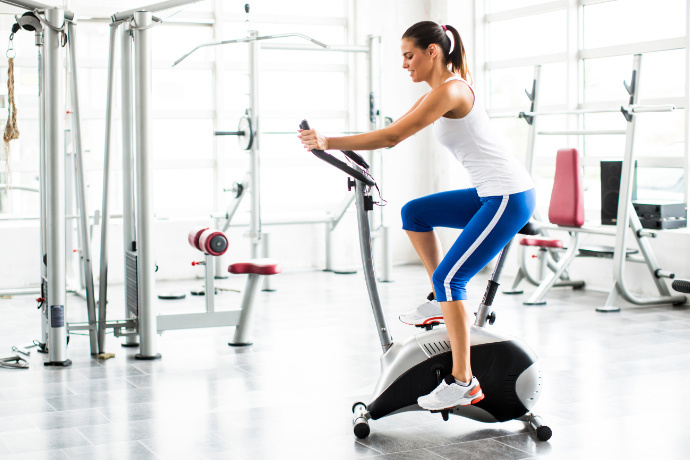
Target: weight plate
[[172, 296], [245, 140]]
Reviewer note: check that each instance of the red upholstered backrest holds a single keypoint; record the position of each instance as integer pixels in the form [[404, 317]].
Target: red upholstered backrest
[[567, 197]]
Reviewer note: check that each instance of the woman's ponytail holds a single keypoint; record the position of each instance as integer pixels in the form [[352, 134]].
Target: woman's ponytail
[[456, 55]]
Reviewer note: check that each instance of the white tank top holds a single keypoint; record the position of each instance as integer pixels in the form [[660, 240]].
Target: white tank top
[[493, 170]]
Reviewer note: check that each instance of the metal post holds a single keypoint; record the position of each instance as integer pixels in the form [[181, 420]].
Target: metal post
[[374, 72], [128, 171], [55, 166], [105, 212], [532, 132], [266, 253], [368, 267], [242, 336], [686, 171], [329, 247], [80, 187], [386, 255], [255, 223], [627, 218], [43, 174], [144, 185], [209, 289]]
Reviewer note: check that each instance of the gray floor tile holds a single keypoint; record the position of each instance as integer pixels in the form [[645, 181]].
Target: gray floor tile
[[457, 430], [118, 432], [401, 440], [71, 419], [29, 406], [114, 451], [44, 455], [418, 454], [175, 444], [17, 422], [479, 450], [308, 446], [4, 450], [26, 441], [102, 399], [99, 385], [35, 391]]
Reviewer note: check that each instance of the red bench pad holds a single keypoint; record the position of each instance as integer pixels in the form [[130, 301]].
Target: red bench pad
[[542, 242], [255, 266]]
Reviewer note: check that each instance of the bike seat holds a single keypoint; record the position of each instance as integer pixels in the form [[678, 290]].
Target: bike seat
[[530, 228], [255, 267]]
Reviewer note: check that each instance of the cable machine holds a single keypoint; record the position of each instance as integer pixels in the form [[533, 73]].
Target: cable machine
[[249, 134], [55, 39]]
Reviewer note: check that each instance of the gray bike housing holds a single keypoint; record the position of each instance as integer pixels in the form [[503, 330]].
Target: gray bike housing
[[507, 369]]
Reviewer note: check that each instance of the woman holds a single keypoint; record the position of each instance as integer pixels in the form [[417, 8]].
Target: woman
[[490, 213]]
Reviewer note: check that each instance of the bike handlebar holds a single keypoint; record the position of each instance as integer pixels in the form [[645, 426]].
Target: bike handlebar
[[341, 165]]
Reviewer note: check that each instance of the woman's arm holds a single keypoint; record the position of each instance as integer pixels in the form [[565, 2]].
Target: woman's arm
[[439, 101]]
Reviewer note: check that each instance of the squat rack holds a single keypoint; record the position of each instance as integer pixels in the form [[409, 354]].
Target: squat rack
[[626, 215]]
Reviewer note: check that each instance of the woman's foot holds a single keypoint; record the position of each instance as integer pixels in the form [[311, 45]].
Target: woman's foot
[[451, 394], [424, 315]]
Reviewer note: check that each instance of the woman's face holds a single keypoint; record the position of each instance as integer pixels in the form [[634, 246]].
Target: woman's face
[[415, 60]]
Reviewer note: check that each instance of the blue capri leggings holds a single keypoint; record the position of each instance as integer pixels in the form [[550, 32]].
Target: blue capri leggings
[[488, 224]]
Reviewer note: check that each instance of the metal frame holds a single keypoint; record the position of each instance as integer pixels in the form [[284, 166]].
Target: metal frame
[[59, 30], [626, 215], [374, 89], [138, 218]]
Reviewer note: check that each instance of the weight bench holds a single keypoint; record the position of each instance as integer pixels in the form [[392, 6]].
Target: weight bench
[[566, 210], [213, 243]]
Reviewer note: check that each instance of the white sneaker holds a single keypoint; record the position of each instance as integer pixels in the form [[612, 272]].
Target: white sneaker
[[426, 314], [450, 394]]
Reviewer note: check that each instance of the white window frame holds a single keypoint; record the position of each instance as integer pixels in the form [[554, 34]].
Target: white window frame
[[574, 57]]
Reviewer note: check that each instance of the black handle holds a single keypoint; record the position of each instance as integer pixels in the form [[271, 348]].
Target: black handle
[[681, 286], [356, 157], [328, 158], [229, 133]]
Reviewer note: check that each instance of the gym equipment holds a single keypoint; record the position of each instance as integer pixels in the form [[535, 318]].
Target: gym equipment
[[681, 286], [214, 243], [566, 208], [659, 216], [244, 133], [249, 137], [626, 216], [505, 366], [55, 34], [14, 362], [135, 28]]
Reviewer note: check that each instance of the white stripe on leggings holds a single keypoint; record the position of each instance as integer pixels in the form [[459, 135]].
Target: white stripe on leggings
[[474, 246]]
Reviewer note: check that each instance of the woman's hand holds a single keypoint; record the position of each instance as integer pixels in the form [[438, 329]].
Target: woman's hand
[[312, 140]]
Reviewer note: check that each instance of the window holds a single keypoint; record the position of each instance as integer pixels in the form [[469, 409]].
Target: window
[[207, 92], [585, 50]]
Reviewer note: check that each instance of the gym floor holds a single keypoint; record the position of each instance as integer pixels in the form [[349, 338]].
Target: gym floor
[[615, 383]]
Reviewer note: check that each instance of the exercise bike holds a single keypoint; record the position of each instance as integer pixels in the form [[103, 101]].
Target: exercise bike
[[506, 367]]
